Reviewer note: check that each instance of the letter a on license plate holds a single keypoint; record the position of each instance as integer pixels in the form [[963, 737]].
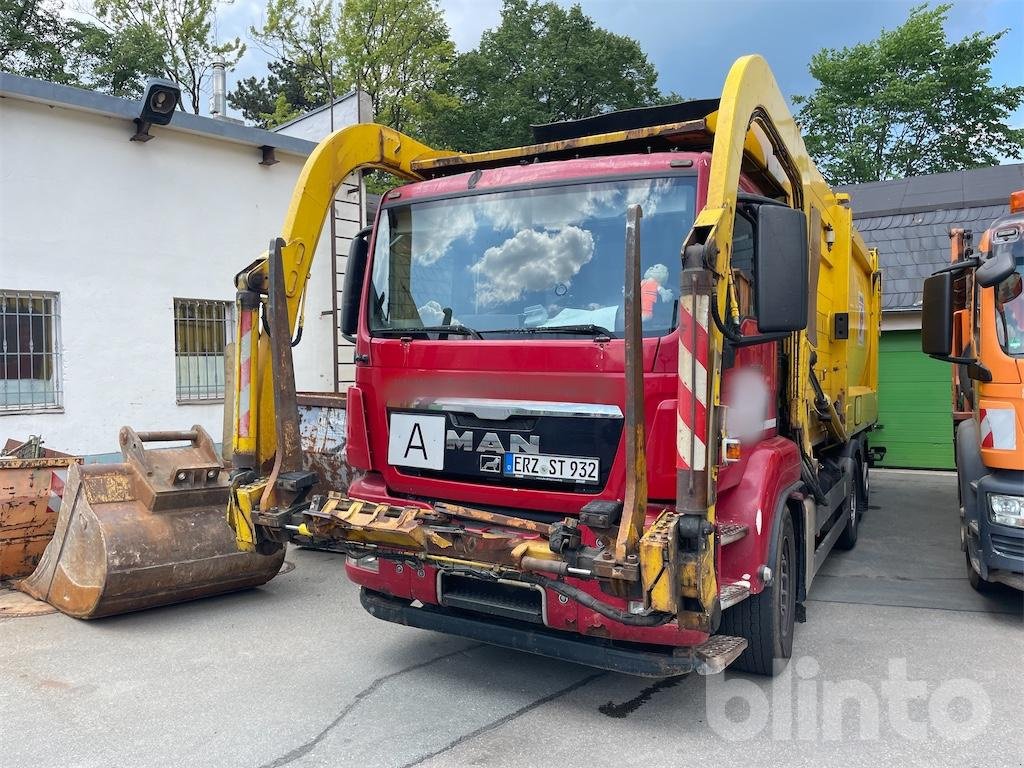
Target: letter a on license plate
[[416, 441]]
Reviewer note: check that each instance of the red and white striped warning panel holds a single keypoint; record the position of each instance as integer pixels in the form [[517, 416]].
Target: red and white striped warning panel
[[692, 404], [998, 429], [57, 480]]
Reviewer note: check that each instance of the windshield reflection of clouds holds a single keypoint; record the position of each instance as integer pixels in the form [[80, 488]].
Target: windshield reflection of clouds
[[439, 225], [526, 258], [531, 261]]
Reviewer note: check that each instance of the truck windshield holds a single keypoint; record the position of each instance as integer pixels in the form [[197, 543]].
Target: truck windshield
[[544, 263]]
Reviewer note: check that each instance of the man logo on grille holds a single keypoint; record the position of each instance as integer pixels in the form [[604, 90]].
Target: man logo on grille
[[490, 464]]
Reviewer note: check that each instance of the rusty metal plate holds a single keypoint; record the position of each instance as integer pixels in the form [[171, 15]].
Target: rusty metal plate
[[322, 422], [30, 497]]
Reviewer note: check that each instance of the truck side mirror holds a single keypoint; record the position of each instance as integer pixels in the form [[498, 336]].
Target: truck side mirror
[[355, 271], [937, 315], [996, 268], [781, 269]]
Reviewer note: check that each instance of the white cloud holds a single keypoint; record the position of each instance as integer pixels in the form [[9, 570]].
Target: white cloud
[[436, 227], [531, 261], [547, 208]]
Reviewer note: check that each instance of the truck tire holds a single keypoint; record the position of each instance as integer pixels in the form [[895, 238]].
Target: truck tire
[[854, 510], [766, 620], [978, 582], [865, 485]]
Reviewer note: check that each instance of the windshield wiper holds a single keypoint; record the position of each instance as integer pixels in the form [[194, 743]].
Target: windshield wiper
[[586, 329], [458, 330]]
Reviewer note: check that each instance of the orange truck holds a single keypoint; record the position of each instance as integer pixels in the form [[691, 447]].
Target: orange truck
[[973, 317]]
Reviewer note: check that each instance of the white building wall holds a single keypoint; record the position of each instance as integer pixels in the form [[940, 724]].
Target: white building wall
[[119, 229]]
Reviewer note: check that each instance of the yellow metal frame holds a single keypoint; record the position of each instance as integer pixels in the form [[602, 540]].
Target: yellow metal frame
[[358, 147], [752, 111]]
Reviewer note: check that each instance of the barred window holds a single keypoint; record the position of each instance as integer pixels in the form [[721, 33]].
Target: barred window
[[29, 351], [202, 329]]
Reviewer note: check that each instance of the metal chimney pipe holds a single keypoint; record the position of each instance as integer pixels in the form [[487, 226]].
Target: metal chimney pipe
[[218, 100]]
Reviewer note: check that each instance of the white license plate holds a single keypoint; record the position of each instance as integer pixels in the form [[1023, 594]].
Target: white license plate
[[575, 469]]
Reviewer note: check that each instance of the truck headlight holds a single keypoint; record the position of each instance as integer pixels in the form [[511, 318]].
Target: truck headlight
[[1006, 510]]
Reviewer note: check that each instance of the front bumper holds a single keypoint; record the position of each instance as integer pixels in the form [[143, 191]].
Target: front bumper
[[632, 659], [567, 617], [1000, 547]]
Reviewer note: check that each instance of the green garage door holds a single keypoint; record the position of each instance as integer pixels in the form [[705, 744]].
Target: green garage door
[[914, 405]]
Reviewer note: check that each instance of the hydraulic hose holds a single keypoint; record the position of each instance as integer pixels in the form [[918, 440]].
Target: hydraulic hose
[[585, 598], [573, 593]]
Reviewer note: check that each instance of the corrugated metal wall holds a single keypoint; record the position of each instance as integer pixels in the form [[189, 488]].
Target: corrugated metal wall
[[914, 405]]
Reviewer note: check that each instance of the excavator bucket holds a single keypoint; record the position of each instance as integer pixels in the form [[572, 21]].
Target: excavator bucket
[[150, 531]]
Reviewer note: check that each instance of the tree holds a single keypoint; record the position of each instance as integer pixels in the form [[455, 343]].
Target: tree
[[909, 103], [541, 64], [301, 37], [395, 51], [118, 63], [183, 31], [286, 91], [37, 40]]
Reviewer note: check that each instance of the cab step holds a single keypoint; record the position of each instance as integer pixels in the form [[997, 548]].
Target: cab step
[[732, 594], [730, 532], [717, 653]]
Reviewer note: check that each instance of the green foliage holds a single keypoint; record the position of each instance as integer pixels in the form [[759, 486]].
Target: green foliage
[[909, 103], [302, 36], [183, 30], [541, 64], [119, 63], [37, 40], [285, 92], [395, 51]]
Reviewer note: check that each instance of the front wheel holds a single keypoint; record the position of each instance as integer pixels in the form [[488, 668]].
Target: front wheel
[[978, 582], [766, 619]]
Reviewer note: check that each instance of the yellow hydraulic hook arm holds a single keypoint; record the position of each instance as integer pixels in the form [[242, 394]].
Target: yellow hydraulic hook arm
[[752, 118], [254, 440]]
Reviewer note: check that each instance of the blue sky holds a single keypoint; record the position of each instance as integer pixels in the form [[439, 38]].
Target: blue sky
[[693, 42]]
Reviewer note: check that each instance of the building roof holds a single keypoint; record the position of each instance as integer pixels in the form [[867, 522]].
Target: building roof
[[908, 221], [44, 92]]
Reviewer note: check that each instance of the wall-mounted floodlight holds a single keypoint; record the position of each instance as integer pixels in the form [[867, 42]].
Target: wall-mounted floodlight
[[158, 105]]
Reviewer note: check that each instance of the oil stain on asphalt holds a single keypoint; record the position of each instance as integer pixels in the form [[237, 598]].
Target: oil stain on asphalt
[[626, 708]]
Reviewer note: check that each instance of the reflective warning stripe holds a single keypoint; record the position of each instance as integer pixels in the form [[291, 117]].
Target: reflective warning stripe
[[57, 479], [691, 415], [997, 428], [245, 372]]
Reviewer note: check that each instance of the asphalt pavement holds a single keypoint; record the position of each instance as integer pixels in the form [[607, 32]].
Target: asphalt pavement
[[899, 663]]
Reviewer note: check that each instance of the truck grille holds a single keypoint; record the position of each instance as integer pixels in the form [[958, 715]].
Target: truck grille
[[512, 601], [1008, 545]]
